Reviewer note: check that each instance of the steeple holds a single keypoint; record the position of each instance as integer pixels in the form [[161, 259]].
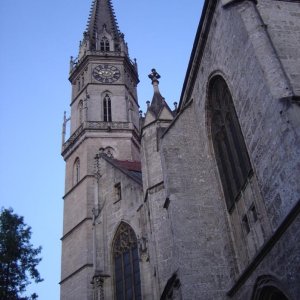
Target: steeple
[[102, 16], [102, 33], [104, 82]]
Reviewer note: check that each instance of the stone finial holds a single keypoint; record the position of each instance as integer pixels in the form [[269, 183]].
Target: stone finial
[[154, 76], [64, 127], [148, 104], [175, 105], [72, 63], [135, 64]]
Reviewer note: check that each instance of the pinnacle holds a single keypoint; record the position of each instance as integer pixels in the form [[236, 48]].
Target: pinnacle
[[158, 101]]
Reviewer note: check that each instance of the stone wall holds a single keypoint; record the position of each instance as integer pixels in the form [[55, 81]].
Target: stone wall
[[129, 210], [239, 49], [282, 19], [79, 288], [282, 263]]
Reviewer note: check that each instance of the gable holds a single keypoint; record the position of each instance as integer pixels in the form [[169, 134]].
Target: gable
[[149, 118], [165, 114]]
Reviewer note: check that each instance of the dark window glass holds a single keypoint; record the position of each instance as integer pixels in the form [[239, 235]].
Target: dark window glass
[[107, 109], [271, 293], [126, 262], [104, 45], [229, 145], [118, 191]]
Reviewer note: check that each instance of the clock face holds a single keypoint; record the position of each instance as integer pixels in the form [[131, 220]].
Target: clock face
[[106, 73]]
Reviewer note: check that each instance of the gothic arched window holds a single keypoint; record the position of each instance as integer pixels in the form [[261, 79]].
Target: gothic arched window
[[104, 45], [76, 171], [228, 141], [266, 288], [126, 264], [271, 293], [107, 108], [80, 112]]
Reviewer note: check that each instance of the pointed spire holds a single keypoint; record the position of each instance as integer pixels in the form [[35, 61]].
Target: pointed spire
[[102, 16]]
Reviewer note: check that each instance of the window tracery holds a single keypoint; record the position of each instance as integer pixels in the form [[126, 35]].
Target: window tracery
[[229, 146], [126, 264], [240, 187]]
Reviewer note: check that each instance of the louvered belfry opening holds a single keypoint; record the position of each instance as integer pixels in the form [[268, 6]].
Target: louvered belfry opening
[[229, 146], [126, 264]]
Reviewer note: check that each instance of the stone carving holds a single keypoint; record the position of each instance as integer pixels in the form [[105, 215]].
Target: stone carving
[[143, 249], [98, 282]]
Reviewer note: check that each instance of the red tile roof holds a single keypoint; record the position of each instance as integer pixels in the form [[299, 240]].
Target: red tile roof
[[129, 165]]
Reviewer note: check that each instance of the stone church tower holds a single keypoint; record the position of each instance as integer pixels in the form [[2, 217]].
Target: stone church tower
[[198, 203], [104, 120]]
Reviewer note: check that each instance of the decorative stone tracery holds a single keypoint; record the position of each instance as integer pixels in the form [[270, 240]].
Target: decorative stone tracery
[[126, 264]]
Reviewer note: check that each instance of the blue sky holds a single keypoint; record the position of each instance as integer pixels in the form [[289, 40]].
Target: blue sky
[[37, 39]]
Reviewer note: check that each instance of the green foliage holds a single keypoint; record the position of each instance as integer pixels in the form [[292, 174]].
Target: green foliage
[[18, 258]]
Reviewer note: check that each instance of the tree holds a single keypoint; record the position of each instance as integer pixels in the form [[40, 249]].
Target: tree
[[18, 257]]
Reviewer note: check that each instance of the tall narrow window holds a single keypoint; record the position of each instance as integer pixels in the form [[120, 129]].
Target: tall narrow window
[[229, 145], [80, 112], [107, 109], [82, 79], [118, 191], [104, 45], [126, 264], [76, 171]]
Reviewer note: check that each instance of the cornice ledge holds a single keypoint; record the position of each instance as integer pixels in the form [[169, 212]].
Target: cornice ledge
[[76, 272], [75, 227], [88, 126]]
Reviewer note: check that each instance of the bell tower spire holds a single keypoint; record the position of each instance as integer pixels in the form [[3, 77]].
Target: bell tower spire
[[102, 32], [102, 15]]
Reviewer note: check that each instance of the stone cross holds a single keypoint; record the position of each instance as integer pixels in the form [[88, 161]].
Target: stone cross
[[154, 76]]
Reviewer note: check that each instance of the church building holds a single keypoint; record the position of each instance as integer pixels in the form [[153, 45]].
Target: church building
[[197, 203]]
